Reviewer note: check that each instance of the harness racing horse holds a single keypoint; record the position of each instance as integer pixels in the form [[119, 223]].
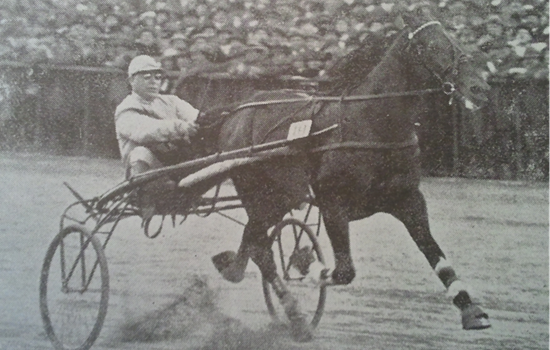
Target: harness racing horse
[[369, 164]]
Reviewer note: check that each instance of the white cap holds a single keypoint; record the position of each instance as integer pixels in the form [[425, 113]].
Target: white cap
[[143, 63]]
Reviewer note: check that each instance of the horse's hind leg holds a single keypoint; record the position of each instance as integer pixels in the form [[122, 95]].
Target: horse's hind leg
[[411, 210], [257, 245], [259, 250], [263, 212]]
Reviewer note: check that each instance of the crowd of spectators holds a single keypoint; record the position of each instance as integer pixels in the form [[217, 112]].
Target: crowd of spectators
[[259, 37]]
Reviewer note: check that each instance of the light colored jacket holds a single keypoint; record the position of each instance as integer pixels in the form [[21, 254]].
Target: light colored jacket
[[141, 123]]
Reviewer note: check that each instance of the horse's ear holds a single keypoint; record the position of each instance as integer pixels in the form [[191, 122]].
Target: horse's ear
[[399, 22]]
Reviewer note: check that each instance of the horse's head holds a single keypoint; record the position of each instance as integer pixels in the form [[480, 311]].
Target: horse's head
[[442, 56]]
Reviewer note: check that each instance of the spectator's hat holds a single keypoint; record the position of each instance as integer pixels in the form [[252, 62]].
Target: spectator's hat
[[376, 27], [494, 19], [258, 48], [143, 63], [170, 52], [164, 11], [205, 32], [161, 5], [105, 8], [457, 8], [283, 49], [227, 31], [476, 21], [145, 30], [323, 22], [182, 53], [148, 14], [308, 29], [295, 35], [238, 37], [178, 36]]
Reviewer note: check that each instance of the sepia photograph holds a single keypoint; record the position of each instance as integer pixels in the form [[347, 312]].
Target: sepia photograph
[[274, 174]]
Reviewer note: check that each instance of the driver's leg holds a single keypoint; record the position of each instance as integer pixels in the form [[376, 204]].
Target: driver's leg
[[141, 159]]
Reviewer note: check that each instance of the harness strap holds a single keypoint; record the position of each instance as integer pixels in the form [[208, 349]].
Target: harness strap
[[366, 145]]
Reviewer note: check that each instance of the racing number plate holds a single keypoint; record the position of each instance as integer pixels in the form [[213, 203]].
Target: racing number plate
[[299, 129]]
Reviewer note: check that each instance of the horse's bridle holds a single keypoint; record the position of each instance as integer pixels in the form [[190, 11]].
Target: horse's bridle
[[447, 85]]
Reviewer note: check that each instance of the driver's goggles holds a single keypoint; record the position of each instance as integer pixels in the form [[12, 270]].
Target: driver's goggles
[[148, 76]]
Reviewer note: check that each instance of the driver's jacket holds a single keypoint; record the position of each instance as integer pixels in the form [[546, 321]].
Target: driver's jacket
[[141, 123]]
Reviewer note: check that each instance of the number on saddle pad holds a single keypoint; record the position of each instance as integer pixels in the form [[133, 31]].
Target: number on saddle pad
[[299, 129]]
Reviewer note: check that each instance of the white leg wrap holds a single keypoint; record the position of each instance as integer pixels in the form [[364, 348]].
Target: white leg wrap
[[456, 287], [443, 263]]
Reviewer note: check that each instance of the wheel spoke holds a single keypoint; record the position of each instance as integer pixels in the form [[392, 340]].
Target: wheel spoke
[[293, 247]]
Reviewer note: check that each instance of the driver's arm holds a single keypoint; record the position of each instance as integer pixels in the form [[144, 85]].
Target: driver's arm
[[143, 129]]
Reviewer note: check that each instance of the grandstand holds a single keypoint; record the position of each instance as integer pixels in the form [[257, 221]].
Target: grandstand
[[291, 37]]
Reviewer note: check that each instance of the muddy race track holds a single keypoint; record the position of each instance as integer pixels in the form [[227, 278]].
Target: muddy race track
[[165, 293]]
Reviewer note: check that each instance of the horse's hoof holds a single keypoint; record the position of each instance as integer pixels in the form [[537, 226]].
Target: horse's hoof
[[222, 260], [233, 274], [473, 317], [225, 263], [343, 276], [301, 330]]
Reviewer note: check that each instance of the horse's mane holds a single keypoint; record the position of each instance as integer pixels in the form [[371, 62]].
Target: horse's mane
[[350, 71]]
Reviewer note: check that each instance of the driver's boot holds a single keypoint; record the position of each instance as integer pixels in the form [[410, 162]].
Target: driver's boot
[[150, 191], [300, 329]]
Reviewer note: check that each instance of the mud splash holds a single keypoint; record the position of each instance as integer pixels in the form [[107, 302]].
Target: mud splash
[[194, 320]]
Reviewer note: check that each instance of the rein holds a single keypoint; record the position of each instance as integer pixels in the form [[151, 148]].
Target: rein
[[351, 98], [413, 141]]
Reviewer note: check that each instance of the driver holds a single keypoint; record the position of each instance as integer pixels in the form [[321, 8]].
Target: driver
[[150, 127]]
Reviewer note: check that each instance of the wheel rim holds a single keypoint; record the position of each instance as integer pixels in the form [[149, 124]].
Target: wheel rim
[[73, 312]]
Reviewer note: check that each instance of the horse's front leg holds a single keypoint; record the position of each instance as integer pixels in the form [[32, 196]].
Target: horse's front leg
[[411, 210], [337, 226]]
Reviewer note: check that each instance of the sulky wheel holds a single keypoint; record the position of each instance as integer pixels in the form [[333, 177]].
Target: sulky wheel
[[299, 261], [74, 289]]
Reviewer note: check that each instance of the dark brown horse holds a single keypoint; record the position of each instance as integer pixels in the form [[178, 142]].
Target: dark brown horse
[[369, 164]]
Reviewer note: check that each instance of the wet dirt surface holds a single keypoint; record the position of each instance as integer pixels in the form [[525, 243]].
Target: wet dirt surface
[[166, 294]]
